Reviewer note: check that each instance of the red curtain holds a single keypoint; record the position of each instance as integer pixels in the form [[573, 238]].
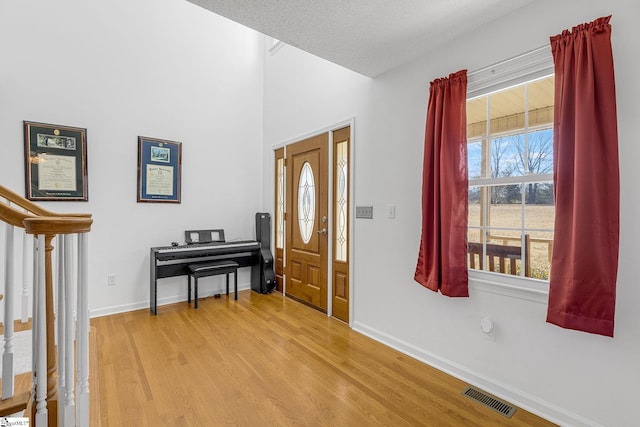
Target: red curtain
[[442, 263], [582, 288]]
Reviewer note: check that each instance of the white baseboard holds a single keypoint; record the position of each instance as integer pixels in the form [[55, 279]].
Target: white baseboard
[[517, 397], [116, 309]]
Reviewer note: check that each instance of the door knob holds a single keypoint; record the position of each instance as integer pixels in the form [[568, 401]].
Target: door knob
[[323, 231]]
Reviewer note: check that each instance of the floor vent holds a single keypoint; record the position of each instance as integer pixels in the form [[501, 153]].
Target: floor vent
[[490, 402]]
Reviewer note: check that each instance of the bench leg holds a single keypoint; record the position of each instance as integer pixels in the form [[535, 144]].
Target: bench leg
[[227, 276], [235, 285], [195, 292], [189, 289]]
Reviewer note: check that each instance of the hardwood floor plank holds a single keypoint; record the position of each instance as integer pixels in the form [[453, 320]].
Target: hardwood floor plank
[[266, 360]]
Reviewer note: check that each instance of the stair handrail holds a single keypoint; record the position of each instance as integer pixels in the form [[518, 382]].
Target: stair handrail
[[13, 216], [44, 225], [33, 208]]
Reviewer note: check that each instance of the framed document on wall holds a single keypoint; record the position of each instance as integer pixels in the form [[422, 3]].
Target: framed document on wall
[[55, 162], [159, 170]]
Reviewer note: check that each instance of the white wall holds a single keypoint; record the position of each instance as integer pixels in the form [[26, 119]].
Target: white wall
[[122, 69], [570, 377], [170, 70]]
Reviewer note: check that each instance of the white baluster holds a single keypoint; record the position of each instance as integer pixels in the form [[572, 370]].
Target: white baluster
[[9, 285], [40, 349], [34, 306], [82, 386], [27, 243], [68, 419], [61, 322]]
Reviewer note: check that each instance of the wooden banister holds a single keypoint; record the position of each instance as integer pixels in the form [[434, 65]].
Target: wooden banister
[[13, 216], [50, 226], [46, 225], [31, 207]]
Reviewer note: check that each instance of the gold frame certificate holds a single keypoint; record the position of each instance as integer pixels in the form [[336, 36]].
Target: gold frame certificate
[[55, 162]]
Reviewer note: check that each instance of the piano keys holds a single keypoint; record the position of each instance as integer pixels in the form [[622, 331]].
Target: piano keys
[[172, 261]]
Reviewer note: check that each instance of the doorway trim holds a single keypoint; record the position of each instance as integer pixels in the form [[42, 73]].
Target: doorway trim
[[351, 232]]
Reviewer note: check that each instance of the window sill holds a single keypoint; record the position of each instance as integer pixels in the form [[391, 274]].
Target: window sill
[[512, 286]]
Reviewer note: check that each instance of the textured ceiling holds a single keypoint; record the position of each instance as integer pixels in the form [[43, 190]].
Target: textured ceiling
[[366, 36]]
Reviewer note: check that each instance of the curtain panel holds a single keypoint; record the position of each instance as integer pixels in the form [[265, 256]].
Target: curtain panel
[[442, 264], [582, 285]]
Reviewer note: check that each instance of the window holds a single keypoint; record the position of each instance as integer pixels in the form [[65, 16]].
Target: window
[[306, 202], [510, 158], [280, 201], [341, 199]]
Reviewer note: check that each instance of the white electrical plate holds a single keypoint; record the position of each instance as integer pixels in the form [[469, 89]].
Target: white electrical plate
[[365, 212]]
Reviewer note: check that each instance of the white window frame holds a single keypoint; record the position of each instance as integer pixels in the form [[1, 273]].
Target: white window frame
[[529, 66]]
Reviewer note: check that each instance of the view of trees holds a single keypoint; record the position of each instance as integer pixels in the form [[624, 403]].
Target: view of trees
[[510, 158]]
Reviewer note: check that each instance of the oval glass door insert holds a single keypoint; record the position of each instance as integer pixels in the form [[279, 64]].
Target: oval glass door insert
[[306, 202]]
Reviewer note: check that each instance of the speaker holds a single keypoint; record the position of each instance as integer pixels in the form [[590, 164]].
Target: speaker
[[263, 229]]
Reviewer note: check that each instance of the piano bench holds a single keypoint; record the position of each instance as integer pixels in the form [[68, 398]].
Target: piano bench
[[211, 268]]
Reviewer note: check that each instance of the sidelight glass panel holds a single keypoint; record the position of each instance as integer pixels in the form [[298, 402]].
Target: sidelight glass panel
[[306, 202], [280, 204], [342, 202]]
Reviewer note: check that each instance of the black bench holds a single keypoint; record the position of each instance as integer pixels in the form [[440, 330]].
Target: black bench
[[212, 268]]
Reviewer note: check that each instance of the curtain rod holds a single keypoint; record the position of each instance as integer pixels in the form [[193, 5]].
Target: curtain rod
[[480, 70]]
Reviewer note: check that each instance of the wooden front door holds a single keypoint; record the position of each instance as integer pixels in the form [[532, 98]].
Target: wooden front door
[[307, 221]]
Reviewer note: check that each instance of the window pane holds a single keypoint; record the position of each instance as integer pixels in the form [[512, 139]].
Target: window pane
[[541, 247], [540, 98], [504, 252], [477, 117], [506, 109], [306, 202], [507, 154], [540, 152], [474, 159], [342, 202], [505, 207], [475, 250], [280, 204], [475, 203], [539, 207], [539, 216]]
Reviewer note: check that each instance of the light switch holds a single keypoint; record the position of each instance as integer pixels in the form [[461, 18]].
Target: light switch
[[391, 211]]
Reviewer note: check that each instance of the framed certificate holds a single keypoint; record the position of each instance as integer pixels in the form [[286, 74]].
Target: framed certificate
[[55, 162], [159, 170]]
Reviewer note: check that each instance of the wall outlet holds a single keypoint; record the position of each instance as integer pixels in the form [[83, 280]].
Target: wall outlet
[[111, 280], [488, 328]]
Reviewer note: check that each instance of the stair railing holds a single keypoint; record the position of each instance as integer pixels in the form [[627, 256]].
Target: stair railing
[[56, 398]]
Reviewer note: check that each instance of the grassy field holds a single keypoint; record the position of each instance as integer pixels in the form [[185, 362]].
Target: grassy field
[[510, 216]]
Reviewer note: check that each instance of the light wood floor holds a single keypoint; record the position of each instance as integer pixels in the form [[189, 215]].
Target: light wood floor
[[268, 361]]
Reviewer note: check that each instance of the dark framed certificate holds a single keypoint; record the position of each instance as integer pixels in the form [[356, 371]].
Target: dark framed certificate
[[159, 170], [55, 162]]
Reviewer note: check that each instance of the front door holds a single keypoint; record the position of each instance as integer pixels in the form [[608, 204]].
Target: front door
[[307, 221]]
